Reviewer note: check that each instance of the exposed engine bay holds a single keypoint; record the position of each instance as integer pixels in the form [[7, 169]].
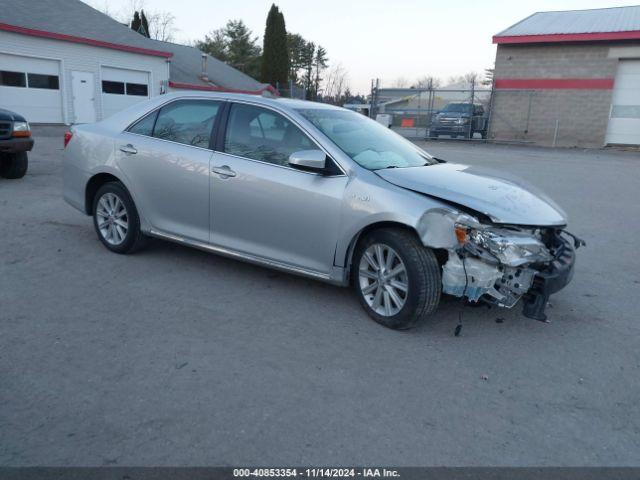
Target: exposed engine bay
[[500, 264]]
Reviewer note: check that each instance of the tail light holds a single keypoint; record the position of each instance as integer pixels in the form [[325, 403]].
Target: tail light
[[67, 138]]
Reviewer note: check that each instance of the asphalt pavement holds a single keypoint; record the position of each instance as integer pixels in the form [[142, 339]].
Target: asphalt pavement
[[173, 356]]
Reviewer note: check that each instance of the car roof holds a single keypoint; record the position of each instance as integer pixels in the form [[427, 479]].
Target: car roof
[[283, 103]]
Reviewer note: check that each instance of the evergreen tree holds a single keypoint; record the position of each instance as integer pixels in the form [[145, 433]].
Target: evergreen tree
[[308, 57], [235, 45], [215, 44], [295, 45], [136, 22], [144, 25], [320, 64], [275, 53]]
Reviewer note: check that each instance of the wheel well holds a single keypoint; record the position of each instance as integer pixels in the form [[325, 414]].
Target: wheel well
[[93, 185], [366, 231], [441, 254]]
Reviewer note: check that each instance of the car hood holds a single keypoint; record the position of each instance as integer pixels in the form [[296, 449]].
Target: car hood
[[503, 198], [7, 115]]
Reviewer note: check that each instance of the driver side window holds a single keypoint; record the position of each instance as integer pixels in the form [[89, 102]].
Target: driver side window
[[262, 134]]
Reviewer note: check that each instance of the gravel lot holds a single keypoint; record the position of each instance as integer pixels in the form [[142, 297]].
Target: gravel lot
[[176, 357]]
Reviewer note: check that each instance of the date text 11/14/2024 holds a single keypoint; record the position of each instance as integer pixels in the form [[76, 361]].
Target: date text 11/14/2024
[[315, 472]]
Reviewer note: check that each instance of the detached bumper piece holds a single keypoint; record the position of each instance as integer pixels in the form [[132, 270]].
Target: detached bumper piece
[[551, 279]]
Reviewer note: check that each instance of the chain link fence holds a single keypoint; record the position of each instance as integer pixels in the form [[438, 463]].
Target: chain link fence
[[433, 113]]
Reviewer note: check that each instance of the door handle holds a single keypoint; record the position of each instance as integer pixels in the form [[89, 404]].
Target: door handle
[[128, 149], [224, 171]]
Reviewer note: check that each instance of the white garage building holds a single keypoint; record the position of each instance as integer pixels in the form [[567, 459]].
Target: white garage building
[[62, 61]]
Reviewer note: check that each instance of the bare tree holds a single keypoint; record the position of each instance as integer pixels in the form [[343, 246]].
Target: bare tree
[[464, 81], [162, 26], [427, 81], [161, 23], [401, 82], [336, 83], [472, 79]]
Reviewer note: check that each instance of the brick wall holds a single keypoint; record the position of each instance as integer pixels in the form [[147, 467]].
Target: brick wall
[[531, 115]]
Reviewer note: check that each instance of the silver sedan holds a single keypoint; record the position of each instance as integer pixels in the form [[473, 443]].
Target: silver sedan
[[319, 191]]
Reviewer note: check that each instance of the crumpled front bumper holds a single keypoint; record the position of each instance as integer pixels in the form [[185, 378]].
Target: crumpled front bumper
[[550, 279]]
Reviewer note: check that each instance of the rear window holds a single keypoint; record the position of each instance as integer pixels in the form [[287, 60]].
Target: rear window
[[185, 121]]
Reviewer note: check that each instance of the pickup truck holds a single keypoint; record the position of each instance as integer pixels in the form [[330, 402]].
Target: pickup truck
[[459, 120], [15, 142]]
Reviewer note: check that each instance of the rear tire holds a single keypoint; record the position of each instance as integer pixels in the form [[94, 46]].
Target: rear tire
[[406, 297], [116, 219], [14, 165]]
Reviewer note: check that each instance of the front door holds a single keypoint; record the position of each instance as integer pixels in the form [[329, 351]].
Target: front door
[[260, 206], [166, 157], [84, 97]]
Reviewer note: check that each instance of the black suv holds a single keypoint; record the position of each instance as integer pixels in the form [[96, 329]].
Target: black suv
[[15, 142], [459, 120]]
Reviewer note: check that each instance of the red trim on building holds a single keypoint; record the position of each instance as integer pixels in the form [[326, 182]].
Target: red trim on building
[[568, 37], [211, 88], [86, 41], [554, 84]]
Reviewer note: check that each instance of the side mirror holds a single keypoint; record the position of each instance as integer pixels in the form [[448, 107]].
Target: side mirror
[[315, 160]]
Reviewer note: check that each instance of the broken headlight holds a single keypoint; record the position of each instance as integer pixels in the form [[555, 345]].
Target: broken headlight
[[509, 247]]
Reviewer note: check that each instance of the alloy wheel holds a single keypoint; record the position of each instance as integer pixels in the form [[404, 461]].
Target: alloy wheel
[[112, 218], [383, 279]]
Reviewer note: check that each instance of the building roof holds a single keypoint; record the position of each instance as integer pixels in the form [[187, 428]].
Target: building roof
[[601, 24], [75, 21], [186, 71]]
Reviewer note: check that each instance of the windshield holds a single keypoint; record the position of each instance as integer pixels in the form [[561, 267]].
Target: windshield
[[368, 143], [457, 108]]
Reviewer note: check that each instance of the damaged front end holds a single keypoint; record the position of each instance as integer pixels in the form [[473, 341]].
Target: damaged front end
[[500, 264]]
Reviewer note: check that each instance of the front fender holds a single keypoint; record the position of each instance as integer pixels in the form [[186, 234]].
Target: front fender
[[371, 203]]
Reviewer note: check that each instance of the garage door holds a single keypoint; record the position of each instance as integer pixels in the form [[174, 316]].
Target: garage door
[[122, 88], [31, 87], [624, 124]]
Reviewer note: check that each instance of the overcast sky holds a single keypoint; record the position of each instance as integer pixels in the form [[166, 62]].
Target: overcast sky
[[373, 38]]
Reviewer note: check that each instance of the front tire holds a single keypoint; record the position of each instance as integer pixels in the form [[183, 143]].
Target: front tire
[[397, 279], [116, 219], [14, 165]]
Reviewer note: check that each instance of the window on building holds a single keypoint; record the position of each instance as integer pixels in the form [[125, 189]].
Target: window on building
[[114, 88], [137, 89], [12, 79], [187, 121], [49, 82], [262, 134]]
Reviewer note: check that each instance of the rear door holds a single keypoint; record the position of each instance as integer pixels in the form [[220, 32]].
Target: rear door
[[166, 157], [261, 206]]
